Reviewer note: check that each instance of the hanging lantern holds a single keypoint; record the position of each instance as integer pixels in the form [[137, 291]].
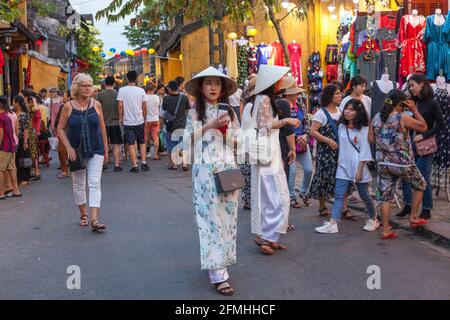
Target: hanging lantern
[[144, 50], [137, 53], [95, 49], [232, 36], [132, 53], [117, 55], [252, 32], [38, 42], [123, 54], [270, 23], [113, 50], [151, 51], [181, 57], [109, 53], [103, 55]]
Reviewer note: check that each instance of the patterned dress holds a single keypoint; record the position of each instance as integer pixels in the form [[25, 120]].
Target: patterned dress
[[32, 139], [441, 161], [324, 180], [242, 65], [216, 214]]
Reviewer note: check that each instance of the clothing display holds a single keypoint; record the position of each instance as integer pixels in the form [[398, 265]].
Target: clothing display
[[242, 65], [252, 60], [378, 98], [442, 156], [277, 54], [437, 49], [389, 57], [264, 53], [411, 35], [295, 53], [232, 63]]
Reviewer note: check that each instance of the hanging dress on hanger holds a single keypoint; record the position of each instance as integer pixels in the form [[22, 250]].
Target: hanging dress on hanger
[[437, 47], [295, 53], [413, 47], [242, 65], [277, 54], [264, 53], [252, 61], [232, 65]]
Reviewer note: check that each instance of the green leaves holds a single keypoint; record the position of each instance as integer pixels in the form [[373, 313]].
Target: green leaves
[[9, 10]]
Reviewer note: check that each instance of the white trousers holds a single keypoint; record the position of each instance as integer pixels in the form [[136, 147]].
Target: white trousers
[[218, 275], [94, 168]]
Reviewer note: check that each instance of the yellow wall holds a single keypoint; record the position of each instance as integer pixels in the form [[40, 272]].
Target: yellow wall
[[172, 68], [195, 50]]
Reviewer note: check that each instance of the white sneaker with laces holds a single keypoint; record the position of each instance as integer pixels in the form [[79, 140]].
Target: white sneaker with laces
[[371, 225], [328, 227]]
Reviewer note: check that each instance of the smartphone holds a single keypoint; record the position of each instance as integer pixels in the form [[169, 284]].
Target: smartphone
[[223, 109]]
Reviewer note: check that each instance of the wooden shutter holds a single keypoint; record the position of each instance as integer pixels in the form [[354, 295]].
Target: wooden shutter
[[428, 7]]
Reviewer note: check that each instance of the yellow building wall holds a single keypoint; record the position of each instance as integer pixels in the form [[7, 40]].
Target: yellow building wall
[[195, 51], [173, 67]]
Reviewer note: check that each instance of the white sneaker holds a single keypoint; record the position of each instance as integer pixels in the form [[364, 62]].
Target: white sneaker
[[328, 227], [371, 225]]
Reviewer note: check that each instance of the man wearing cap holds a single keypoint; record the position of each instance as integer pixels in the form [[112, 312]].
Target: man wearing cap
[[170, 103]]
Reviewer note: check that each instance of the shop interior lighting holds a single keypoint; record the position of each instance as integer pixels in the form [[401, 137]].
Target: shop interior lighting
[[331, 6], [355, 1], [333, 16]]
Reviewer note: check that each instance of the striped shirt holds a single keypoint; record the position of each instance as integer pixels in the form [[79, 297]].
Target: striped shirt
[[7, 144]]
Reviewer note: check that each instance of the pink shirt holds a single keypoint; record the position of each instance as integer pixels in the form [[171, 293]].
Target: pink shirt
[[14, 120]]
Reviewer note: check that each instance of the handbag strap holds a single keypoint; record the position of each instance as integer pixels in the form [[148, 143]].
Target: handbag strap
[[178, 105], [351, 142], [332, 123], [83, 119]]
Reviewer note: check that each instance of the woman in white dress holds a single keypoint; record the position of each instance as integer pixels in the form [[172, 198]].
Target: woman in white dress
[[216, 214], [269, 190]]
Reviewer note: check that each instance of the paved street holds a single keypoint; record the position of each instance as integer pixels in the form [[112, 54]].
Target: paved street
[[151, 249]]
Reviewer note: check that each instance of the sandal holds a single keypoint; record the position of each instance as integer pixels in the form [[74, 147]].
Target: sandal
[[247, 206], [324, 213], [169, 167], [225, 290], [264, 246], [347, 215], [63, 175], [185, 168], [290, 227], [278, 246], [97, 227], [295, 204], [306, 200], [84, 221]]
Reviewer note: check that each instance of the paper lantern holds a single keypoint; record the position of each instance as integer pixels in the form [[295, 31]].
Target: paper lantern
[[123, 54], [137, 53], [232, 36], [181, 57], [128, 51], [109, 53], [38, 42], [151, 51], [95, 49], [117, 55], [270, 23], [252, 32], [131, 53], [113, 50], [144, 50], [103, 55]]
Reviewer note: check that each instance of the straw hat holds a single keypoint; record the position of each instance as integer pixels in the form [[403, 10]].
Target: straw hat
[[294, 89], [192, 86], [269, 75]]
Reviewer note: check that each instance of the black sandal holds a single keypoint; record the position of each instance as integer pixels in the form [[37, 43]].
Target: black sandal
[[290, 227], [347, 216], [264, 246], [226, 290], [84, 221], [295, 204]]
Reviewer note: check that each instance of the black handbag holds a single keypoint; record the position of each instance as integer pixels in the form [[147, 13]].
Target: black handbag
[[80, 162], [229, 180], [169, 119], [26, 162]]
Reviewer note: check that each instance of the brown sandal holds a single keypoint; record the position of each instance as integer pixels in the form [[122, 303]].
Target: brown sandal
[[264, 246], [84, 221], [347, 215], [226, 290], [97, 227]]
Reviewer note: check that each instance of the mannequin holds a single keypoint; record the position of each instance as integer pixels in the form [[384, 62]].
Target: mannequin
[[439, 19], [242, 41], [415, 19], [385, 84], [380, 89], [415, 13], [294, 41]]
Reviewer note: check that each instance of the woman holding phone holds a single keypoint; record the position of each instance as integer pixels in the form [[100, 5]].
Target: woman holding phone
[[394, 156], [208, 125]]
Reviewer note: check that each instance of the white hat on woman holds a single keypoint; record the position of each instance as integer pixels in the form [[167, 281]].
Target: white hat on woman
[[294, 89], [193, 86], [269, 75]]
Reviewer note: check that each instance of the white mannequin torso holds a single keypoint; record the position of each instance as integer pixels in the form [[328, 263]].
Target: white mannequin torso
[[386, 85], [439, 19], [414, 20]]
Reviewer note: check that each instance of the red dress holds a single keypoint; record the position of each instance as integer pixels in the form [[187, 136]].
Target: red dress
[[278, 57], [413, 49], [295, 53]]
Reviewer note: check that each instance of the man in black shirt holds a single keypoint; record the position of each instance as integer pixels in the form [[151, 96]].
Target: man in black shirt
[[169, 105]]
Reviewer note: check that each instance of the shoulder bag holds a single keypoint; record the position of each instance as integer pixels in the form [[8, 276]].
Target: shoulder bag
[[169, 119], [370, 164], [332, 122], [426, 146]]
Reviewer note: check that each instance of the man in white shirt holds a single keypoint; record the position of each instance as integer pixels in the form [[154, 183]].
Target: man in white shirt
[[132, 114], [152, 123], [47, 102]]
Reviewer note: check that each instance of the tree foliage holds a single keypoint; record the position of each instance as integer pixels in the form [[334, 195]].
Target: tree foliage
[[144, 34], [86, 38], [9, 10]]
